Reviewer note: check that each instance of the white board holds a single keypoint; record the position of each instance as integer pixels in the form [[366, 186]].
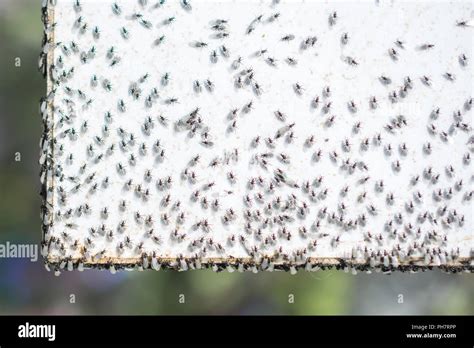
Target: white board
[[320, 192]]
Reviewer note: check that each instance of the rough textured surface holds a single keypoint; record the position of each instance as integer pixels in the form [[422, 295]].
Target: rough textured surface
[[257, 135]]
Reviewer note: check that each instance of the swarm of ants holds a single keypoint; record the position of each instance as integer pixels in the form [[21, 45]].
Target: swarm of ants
[[257, 159]]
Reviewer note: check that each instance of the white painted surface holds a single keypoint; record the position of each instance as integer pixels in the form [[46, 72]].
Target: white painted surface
[[372, 28]]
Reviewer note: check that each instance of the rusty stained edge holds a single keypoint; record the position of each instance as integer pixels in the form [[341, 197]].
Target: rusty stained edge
[[249, 261], [249, 264], [173, 263], [46, 170]]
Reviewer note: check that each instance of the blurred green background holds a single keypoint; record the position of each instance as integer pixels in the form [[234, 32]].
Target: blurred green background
[[27, 288]]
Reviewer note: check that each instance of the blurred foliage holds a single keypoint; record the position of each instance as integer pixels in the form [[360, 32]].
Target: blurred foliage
[[27, 288]]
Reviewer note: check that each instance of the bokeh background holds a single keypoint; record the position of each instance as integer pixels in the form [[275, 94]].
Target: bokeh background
[[27, 288]]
